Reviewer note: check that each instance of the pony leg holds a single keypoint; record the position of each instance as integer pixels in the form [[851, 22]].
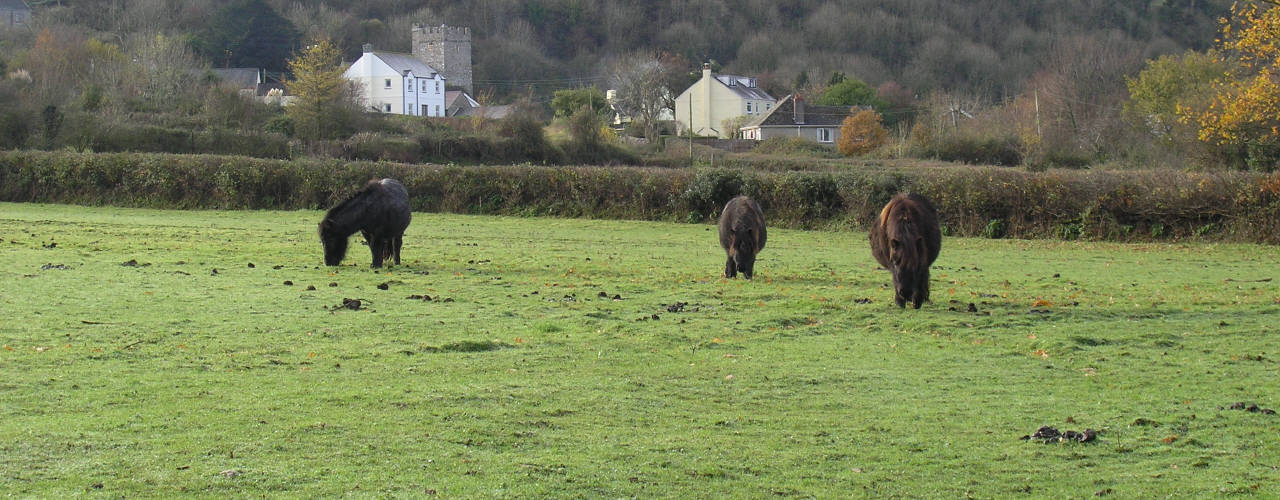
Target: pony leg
[[922, 290], [398, 241], [730, 268], [376, 247]]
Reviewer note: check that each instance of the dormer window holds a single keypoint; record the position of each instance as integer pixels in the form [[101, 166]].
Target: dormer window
[[748, 108]]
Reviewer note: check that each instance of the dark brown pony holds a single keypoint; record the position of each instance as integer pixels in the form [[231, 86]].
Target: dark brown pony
[[905, 240], [380, 211], [742, 235]]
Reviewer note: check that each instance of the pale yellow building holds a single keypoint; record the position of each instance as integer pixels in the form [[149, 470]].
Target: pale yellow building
[[706, 104]]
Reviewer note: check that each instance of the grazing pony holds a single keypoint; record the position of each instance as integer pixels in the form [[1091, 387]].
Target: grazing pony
[[380, 211], [905, 239], [742, 235]]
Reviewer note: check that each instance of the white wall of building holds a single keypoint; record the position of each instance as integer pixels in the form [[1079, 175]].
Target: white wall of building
[[386, 90]]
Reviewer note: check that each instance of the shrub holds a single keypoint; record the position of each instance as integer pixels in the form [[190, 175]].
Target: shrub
[[711, 189], [973, 150], [377, 147], [862, 133], [280, 124], [972, 201], [15, 127]]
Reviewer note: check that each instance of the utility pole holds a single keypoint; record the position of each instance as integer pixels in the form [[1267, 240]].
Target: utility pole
[[690, 131], [1037, 96]]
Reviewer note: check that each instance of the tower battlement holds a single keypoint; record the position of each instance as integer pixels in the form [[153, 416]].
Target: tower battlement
[[454, 33]]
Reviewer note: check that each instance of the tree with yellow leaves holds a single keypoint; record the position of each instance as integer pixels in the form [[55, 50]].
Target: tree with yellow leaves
[[1246, 111], [323, 105], [862, 133]]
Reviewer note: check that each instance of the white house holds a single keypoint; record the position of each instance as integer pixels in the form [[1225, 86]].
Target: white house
[[708, 103], [397, 83]]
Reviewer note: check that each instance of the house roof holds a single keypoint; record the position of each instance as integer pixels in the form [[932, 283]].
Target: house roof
[[243, 78], [496, 112], [783, 115], [13, 5], [452, 95], [744, 86], [266, 87], [405, 62]]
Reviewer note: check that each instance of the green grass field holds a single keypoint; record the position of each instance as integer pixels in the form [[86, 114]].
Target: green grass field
[[574, 358]]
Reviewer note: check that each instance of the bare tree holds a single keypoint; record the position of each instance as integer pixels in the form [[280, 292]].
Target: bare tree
[[165, 72], [643, 92]]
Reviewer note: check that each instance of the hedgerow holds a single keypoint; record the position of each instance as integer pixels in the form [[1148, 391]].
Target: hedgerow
[[973, 201]]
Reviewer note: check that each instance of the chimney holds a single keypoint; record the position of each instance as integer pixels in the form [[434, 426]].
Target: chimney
[[706, 70], [797, 109], [368, 47]]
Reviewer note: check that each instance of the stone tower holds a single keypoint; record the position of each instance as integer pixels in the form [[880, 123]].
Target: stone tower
[[447, 49]]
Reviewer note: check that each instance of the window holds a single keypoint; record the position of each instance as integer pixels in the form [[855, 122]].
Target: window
[[748, 108], [386, 108], [824, 135], [767, 106], [438, 110], [424, 110], [424, 85], [386, 84], [437, 86]]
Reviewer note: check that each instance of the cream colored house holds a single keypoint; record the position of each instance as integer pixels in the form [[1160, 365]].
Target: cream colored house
[[706, 104], [397, 83]]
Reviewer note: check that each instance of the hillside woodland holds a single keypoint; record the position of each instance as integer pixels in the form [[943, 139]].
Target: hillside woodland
[[988, 81]]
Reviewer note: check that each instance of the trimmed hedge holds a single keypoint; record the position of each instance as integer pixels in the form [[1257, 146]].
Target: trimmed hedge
[[974, 201]]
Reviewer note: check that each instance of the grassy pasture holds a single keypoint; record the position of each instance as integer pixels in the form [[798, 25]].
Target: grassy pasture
[[131, 368]]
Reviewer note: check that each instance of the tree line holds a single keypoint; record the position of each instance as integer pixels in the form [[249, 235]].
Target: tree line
[[1065, 83]]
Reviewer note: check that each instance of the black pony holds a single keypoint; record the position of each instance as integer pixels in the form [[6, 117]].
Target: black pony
[[380, 211], [905, 240], [742, 235]]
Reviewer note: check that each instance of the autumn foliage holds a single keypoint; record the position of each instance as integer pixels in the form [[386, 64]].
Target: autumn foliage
[[1246, 108], [323, 105], [862, 133]]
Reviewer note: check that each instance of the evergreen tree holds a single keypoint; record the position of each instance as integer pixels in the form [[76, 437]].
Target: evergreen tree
[[247, 33]]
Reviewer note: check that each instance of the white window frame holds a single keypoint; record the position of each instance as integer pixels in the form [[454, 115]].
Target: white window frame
[[386, 83], [824, 135], [386, 107]]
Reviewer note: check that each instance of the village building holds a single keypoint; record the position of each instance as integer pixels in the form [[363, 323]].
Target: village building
[[792, 117], [391, 82], [714, 100], [14, 14]]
